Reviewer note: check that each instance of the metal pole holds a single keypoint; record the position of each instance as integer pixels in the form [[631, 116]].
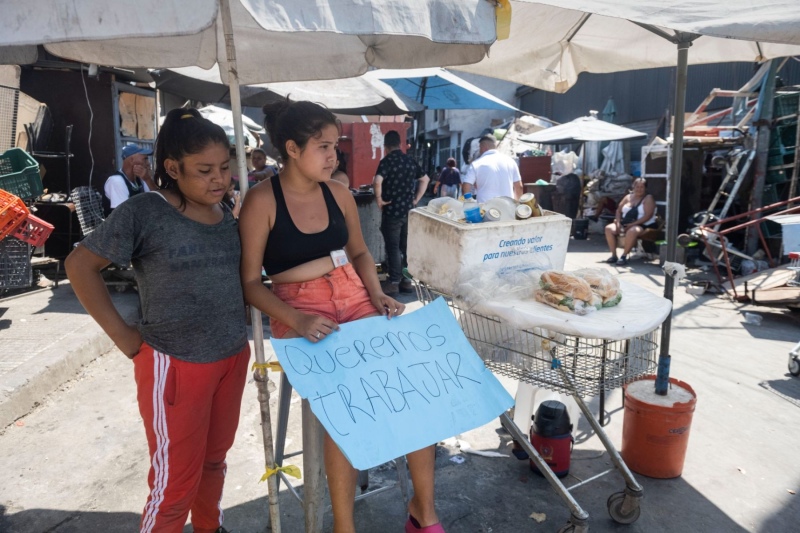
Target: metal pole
[[258, 332], [763, 119], [673, 204]]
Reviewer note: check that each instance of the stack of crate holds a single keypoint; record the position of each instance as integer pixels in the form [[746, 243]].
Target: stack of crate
[[20, 182], [783, 148], [781, 181]]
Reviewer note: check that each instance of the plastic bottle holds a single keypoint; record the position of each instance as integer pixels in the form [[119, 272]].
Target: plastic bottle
[[503, 204], [472, 211]]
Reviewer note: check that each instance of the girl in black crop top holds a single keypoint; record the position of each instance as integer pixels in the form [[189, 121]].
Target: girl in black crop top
[[290, 225]]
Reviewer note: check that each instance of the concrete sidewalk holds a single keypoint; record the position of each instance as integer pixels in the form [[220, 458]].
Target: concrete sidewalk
[[46, 338], [741, 470]]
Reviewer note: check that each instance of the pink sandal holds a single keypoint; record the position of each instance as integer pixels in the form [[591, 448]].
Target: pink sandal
[[412, 526]]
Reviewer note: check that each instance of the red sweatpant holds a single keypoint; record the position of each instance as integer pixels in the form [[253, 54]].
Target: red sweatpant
[[190, 413]]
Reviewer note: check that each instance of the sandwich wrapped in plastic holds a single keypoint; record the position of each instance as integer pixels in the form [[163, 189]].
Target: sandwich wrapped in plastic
[[603, 283], [566, 292]]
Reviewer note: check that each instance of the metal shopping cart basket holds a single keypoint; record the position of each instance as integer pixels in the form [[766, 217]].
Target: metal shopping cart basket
[[566, 363]]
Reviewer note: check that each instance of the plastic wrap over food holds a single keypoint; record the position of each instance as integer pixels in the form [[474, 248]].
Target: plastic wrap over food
[[505, 280], [638, 313], [566, 292], [603, 283]]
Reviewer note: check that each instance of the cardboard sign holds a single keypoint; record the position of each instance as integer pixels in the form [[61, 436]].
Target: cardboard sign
[[383, 388]]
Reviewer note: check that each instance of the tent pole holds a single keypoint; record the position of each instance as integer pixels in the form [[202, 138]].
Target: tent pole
[[673, 201], [260, 374]]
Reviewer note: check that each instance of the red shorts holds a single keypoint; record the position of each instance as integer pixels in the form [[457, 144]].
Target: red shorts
[[339, 295]]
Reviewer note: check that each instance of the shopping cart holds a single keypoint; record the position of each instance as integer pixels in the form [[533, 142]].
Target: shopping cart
[[794, 360], [564, 363]]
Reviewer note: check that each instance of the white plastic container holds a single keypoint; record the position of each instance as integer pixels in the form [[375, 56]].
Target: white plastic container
[[441, 252], [529, 397], [504, 204], [447, 207]]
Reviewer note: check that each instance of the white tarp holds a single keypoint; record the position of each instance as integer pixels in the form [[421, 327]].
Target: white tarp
[[639, 312], [552, 41], [275, 41]]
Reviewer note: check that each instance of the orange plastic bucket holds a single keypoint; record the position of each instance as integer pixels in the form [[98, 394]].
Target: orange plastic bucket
[[655, 429]]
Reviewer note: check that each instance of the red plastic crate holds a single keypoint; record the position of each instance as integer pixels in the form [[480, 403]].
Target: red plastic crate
[[12, 213], [33, 230]]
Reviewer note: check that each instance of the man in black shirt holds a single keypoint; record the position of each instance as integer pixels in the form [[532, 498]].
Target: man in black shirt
[[399, 184]]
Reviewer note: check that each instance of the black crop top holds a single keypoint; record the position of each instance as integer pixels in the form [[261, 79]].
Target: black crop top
[[288, 247]]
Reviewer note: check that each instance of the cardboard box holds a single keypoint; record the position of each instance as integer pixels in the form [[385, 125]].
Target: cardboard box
[[441, 251]]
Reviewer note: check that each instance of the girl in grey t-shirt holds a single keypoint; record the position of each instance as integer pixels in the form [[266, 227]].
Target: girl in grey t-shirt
[[190, 350]]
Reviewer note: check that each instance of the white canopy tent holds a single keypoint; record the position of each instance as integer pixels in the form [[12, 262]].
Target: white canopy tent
[[600, 36]]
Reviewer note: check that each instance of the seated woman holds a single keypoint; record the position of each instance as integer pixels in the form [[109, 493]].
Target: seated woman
[[303, 229], [635, 213]]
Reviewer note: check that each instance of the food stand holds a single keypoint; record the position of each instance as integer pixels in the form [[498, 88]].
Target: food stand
[[531, 342]]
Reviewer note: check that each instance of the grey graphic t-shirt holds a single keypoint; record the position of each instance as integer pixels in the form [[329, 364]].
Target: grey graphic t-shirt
[[187, 274]]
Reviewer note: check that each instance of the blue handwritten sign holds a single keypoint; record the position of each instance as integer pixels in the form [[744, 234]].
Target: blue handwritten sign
[[383, 388]]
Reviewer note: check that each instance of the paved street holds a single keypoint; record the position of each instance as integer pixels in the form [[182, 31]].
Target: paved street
[[78, 462]]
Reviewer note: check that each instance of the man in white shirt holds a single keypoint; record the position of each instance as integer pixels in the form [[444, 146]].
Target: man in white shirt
[[492, 174], [133, 178]]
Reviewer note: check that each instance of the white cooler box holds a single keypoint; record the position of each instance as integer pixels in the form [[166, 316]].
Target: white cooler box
[[440, 250]]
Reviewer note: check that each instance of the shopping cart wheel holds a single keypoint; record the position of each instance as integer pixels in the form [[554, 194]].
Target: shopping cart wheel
[[794, 366], [615, 508]]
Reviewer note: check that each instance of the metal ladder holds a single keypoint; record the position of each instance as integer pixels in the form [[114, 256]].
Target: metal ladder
[[733, 174]]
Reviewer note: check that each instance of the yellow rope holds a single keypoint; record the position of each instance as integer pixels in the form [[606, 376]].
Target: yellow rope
[[275, 366], [290, 470]]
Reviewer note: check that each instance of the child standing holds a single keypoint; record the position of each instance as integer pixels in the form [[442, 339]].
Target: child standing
[[190, 350], [303, 228]]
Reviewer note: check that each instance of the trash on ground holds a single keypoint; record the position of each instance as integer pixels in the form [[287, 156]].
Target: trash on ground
[[753, 318], [539, 517], [458, 459], [465, 447]]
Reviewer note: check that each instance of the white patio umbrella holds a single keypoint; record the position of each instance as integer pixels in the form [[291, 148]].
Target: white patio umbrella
[[275, 41], [360, 95], [583, 129], [601, 36]]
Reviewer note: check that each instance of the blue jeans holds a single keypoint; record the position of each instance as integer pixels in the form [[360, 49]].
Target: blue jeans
[[395, 236], [449, 190]]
